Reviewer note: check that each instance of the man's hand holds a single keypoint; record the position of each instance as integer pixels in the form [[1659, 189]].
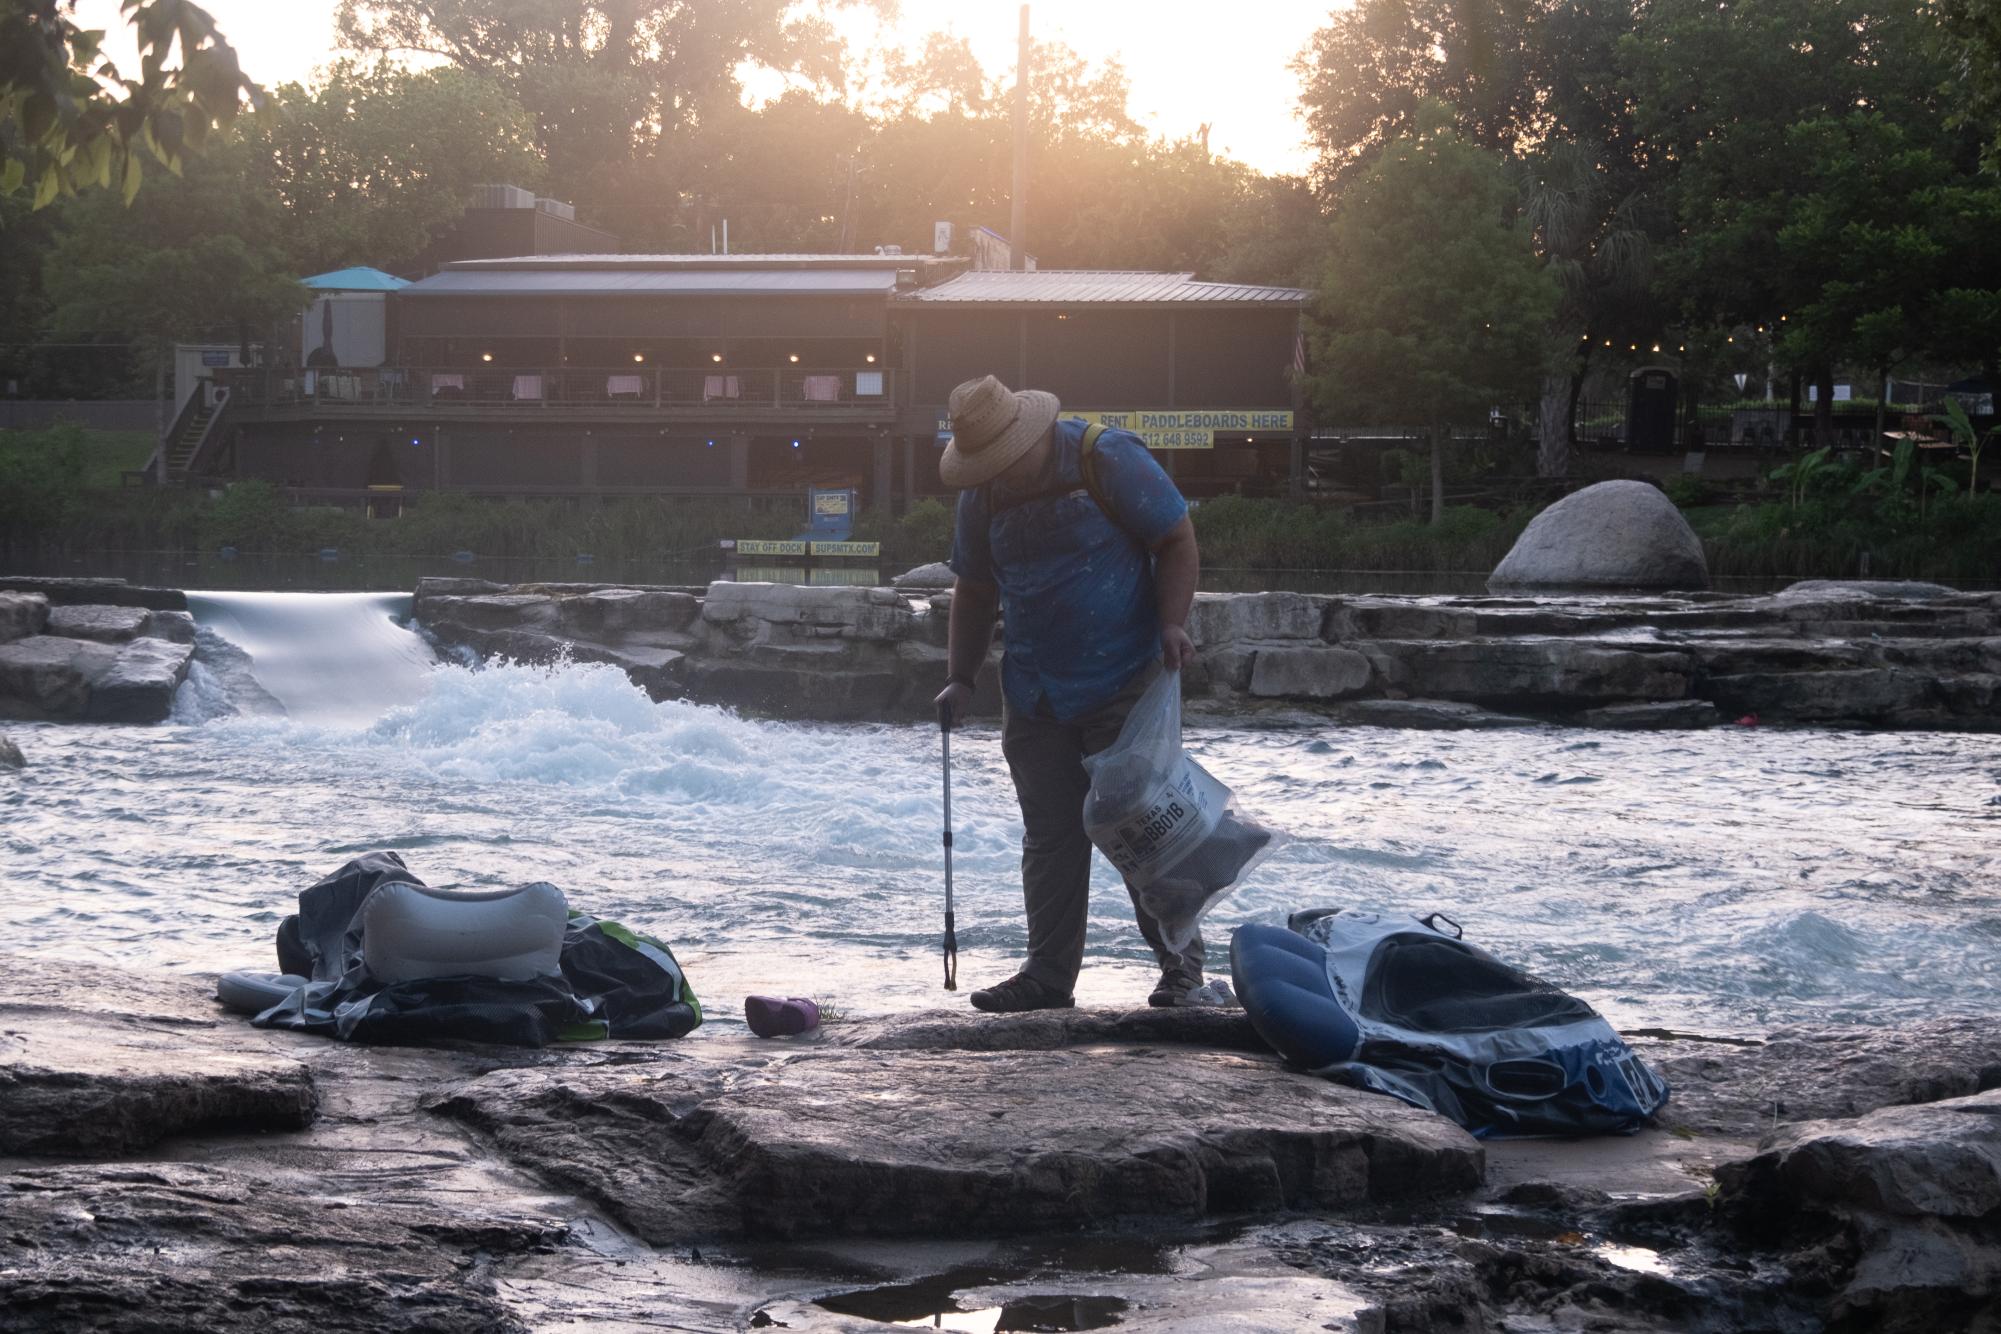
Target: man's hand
[[956, 696], [1176, 648]]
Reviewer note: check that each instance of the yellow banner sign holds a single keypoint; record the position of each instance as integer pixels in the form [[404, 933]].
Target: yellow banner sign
[[1189, 428], [846, 548], [761, 547]]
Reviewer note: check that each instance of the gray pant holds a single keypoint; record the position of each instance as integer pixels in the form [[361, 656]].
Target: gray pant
[[1046, 758]]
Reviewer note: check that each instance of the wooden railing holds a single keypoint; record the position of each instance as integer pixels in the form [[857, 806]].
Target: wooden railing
[[724, 390]]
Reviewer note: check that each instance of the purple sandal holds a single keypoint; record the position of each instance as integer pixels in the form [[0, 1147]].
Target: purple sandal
[[773, 1017]]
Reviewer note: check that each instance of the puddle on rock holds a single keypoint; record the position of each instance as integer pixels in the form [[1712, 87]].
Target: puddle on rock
[[1639, 1259], [935, 1303]]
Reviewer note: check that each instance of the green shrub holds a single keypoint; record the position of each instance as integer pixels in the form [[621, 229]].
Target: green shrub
[[1687, 490]]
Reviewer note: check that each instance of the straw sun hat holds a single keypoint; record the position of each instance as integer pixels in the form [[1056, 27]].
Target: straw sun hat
[[992, 426]]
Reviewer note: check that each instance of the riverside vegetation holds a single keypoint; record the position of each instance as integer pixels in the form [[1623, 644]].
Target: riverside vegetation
[[1814, 517]]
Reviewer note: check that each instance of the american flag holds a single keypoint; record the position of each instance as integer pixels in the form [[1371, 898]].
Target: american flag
[[1299, 354]]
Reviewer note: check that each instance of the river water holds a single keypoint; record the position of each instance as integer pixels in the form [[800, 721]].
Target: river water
[[1729, 880]]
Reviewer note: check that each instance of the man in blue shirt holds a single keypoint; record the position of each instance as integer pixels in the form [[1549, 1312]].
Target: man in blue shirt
[[1096, 575]]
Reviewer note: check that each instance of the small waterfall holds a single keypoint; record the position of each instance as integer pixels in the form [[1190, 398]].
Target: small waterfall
[[342, 658]]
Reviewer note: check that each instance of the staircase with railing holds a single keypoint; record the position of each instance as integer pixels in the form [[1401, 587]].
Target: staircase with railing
[[193, 436]]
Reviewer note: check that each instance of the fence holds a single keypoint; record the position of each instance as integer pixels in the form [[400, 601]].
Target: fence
[[37, 414], [530, 389]]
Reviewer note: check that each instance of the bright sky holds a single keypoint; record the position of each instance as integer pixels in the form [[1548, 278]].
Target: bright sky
[[1190, 63]]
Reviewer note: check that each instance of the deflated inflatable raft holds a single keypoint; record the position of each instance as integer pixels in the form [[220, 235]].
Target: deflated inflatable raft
[[1403, 1007]]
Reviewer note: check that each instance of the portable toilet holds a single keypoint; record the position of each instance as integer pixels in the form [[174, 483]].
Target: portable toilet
[[1652, 400]]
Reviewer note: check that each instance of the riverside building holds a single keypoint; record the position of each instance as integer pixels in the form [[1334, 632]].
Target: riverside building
[[749, 376]]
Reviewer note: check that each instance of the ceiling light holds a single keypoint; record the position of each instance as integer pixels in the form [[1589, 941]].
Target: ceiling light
[[486, 356], [639, 356], [715, 356], [871, 358], [794, 358]]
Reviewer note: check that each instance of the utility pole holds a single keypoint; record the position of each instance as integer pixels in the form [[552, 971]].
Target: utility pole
[[1017, 229]]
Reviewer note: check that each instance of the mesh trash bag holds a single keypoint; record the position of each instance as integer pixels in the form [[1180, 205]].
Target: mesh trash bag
[[1172, 830]]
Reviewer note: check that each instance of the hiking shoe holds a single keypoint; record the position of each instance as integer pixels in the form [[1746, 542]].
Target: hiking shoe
[[1172, 991], [1018, 993]]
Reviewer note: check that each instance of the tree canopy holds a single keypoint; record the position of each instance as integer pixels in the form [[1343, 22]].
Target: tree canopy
[[1433, 306], [70, 119]]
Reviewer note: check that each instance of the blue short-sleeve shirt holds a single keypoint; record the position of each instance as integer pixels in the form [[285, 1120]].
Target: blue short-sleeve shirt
[[1076, 584]]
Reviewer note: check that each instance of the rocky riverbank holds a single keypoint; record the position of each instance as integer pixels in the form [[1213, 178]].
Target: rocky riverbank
[[1819, 653], [91, 650], [166, 1165]]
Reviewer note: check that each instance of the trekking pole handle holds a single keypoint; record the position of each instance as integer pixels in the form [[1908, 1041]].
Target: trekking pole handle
[[944, 715]]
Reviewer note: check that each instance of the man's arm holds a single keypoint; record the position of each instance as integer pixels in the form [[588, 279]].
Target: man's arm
[[969, 636], [1177, 565]]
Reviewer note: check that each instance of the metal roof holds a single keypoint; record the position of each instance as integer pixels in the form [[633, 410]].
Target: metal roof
[[361, 279], [654, 282], [1096, 286], [681, 263]]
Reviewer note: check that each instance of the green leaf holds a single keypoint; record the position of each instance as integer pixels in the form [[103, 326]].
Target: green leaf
[[49, 186], [11, 175], [132, 174]]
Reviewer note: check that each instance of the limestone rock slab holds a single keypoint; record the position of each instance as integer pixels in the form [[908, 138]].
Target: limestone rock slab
[[44, 676], [106, 625], [1823, 1073], [1869, 694], [180, 1246], [1320, 672], [1528, 671], [967, 1143], [80, 1085], [857, 613], [1620, 534], [1666, 714], [621, 611], [62, 592], [1222, 618], [10, 754], [1426, 714], [1937, 1159], [22, 615], [138, 685]]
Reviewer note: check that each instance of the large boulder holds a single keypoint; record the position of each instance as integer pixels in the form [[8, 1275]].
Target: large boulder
[[10, 754], [935, 575], [1611, 535]]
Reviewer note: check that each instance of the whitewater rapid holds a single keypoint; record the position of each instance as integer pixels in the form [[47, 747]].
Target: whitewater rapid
[[1729, 880]]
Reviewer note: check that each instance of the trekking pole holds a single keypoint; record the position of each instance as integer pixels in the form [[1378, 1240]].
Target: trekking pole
[[951, 937]]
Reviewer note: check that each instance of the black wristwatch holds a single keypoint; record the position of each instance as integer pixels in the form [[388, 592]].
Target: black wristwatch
[[957, 680]]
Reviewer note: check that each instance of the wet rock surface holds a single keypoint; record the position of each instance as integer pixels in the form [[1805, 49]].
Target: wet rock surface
[[1824, 654], [907, 1143], [1161, 1177]]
